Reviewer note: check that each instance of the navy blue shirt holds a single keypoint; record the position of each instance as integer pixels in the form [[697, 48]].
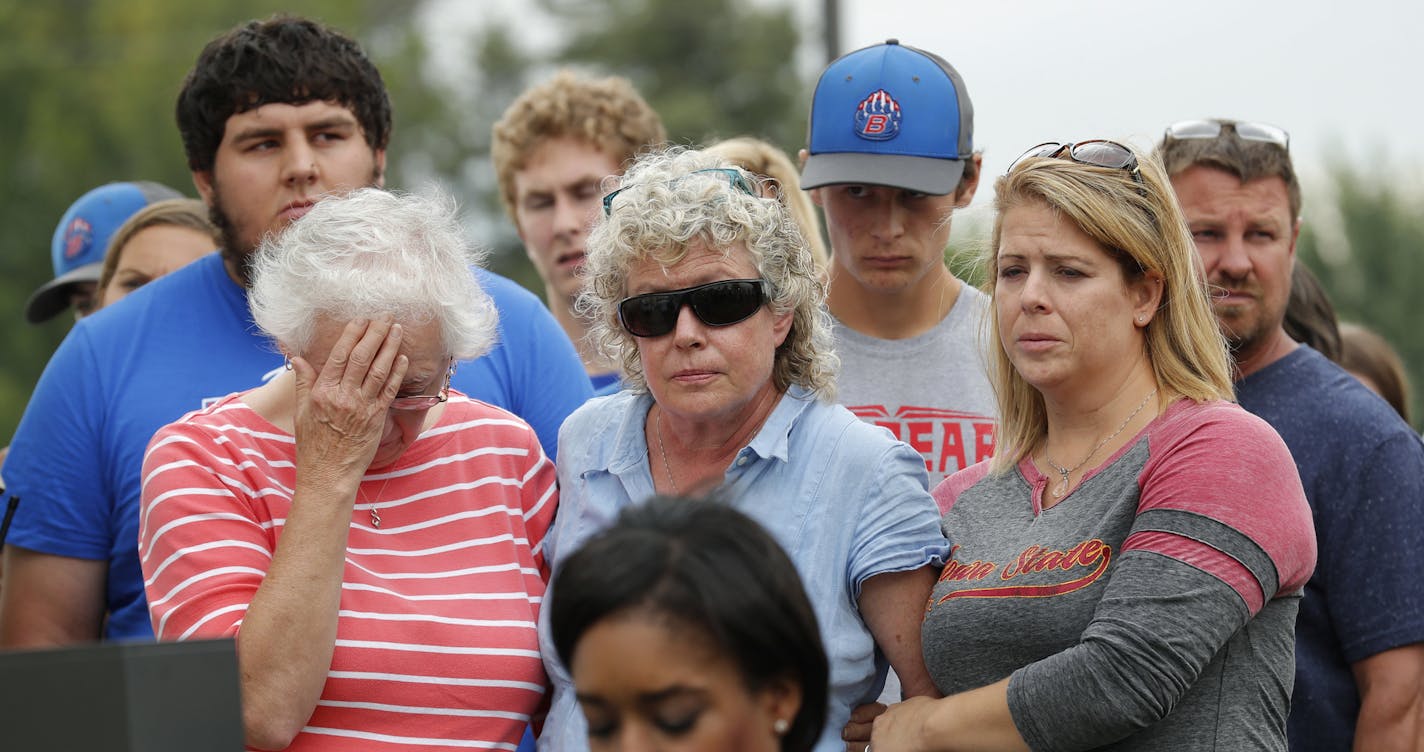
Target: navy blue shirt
[[1363, 471]]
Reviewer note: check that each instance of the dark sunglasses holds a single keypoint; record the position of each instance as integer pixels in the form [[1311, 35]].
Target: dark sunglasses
[[735, 177], [1097, 152], [715, 304], [1209, 129]]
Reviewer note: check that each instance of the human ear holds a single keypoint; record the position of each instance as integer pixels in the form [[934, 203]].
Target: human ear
[[780, 701], [203, 181], [964, 192], [1147, 297], [379, 179]]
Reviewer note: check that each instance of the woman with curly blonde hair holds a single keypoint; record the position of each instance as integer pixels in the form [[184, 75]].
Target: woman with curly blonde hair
[[701, 286]]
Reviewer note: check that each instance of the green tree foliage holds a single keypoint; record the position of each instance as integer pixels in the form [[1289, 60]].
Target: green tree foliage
[[501, 68], [1376, 277], [89, 89], [712, 68]]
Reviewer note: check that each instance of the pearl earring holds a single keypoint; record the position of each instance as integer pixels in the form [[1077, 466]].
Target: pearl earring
[[781, 726]]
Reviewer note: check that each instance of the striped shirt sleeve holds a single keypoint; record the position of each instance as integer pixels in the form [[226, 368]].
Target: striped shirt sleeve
[[193, 515]]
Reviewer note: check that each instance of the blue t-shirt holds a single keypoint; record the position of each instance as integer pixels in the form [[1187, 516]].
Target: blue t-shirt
[[172, 347], [845, 499], [1363, 472], [605, 383]]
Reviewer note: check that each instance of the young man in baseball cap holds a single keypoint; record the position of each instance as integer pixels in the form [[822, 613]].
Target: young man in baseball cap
[[80, 241], [890, 157]]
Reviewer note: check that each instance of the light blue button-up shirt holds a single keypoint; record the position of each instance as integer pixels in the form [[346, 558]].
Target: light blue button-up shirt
[[845, 499]]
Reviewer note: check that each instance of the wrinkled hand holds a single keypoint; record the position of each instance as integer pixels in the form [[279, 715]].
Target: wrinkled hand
[[857, 731], [341, 411], [901, 728]]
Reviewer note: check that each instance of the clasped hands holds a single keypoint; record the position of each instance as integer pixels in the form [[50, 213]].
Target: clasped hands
[[892, 729]]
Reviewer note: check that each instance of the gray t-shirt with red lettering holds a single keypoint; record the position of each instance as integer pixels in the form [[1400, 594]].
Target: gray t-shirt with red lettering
[[1153, 608], [932, 391]]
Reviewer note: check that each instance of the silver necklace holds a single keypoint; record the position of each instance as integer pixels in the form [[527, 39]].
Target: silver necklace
[[1062, 489], [375, 515], [663, 452]]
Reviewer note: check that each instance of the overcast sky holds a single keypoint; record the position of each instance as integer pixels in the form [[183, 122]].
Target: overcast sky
[[1342, 78]]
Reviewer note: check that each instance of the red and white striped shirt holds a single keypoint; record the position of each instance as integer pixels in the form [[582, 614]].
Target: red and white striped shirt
[[436, 645]]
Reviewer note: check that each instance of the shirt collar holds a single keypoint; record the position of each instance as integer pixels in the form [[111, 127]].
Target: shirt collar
[[773, 441], [630, 446]]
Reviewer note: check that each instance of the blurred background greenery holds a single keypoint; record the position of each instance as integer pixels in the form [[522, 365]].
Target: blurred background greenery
[[89, 88]]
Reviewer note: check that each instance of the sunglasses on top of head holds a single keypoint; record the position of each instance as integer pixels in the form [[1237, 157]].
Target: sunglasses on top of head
[[1096, 152], [1266, 133], [723, 303], [734, 177]]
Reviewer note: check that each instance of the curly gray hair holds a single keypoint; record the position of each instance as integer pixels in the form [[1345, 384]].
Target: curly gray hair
[[672, 199], [372, 254]]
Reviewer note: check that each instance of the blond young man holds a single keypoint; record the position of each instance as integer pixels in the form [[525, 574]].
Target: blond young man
[[553, 148]]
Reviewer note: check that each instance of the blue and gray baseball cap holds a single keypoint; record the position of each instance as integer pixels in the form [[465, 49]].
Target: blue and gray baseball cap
[[890, 115], [82, 237]]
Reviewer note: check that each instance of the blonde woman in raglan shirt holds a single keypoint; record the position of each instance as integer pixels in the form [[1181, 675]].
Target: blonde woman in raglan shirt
[[1125, 573]]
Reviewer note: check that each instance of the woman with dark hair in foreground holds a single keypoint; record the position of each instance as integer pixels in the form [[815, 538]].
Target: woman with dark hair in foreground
[[686, 626]]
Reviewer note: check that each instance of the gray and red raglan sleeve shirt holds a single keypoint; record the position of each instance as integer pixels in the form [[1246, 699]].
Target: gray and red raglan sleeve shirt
[[1152, 608]]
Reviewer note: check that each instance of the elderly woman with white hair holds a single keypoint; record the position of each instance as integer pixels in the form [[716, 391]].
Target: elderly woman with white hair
[[703, 289], [370, 537]]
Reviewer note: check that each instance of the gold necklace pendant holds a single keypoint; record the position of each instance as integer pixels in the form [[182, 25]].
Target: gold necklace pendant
[[375, 518]]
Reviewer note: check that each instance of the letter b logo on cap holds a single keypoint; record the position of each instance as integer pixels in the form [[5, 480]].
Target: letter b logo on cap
[[878, 117]]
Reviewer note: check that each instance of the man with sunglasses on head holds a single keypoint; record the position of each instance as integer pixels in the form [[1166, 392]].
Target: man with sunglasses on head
[[1359, 673], [275, 116], [552, 150], [890, 157]]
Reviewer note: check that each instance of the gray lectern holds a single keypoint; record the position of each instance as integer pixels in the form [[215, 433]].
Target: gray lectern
[[126, 697]]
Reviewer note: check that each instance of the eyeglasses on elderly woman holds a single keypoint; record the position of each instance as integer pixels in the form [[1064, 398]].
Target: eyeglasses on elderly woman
[[735, 177], [721, 303], [425, 401]]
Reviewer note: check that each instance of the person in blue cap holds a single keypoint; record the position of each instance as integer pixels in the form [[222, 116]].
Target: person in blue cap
[[890, 158], [80, 240]]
